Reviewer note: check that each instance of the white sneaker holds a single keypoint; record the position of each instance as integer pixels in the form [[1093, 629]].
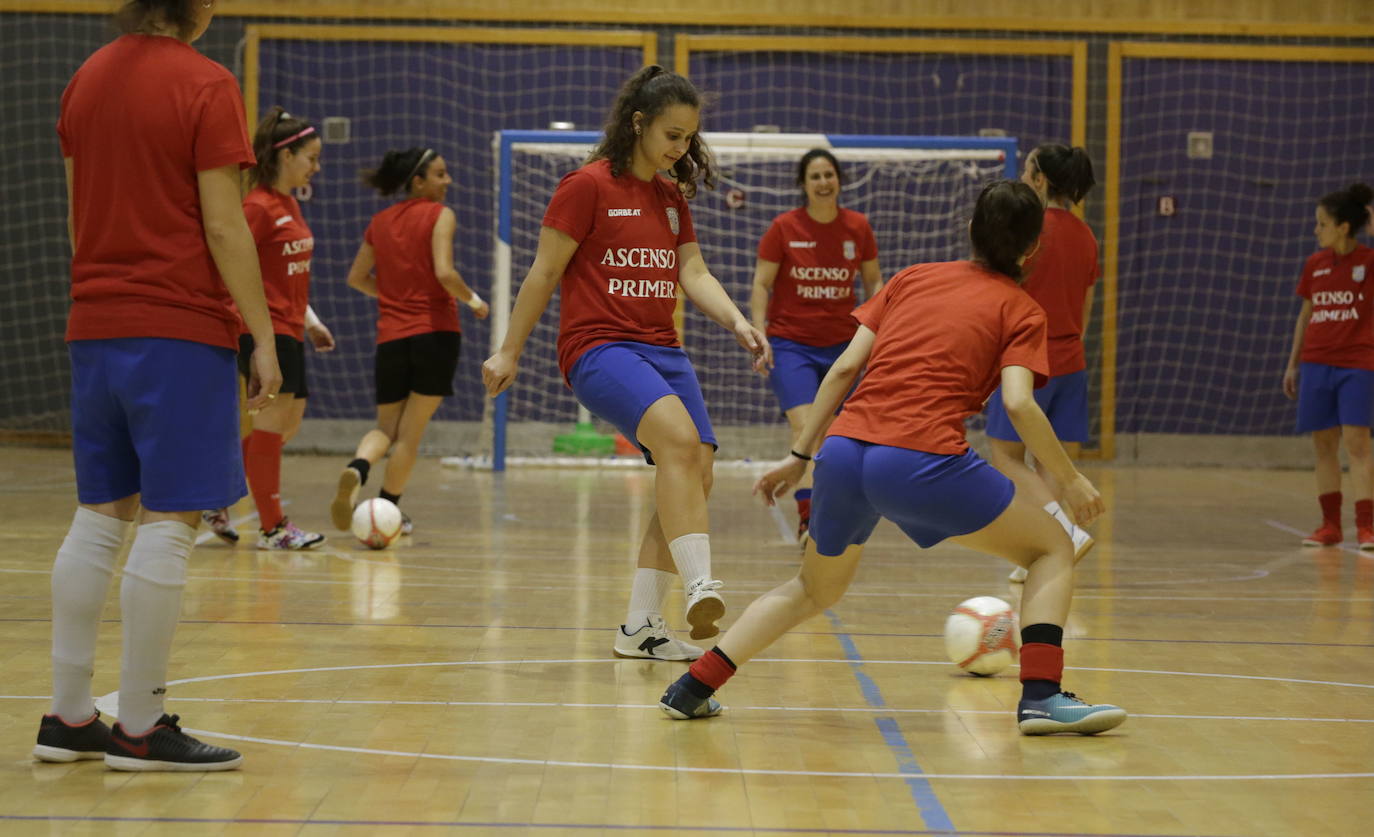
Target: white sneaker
[[407, 527], [1082, 545], [219, 523], [288, 536], [704, 607], [651, 641]]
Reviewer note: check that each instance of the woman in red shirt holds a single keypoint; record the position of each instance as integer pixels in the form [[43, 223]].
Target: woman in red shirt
[[410, 246], [1331, 366], [618, 239], [288, 156], [1060, 276], [153, 138], [935, 342], [803, 295]]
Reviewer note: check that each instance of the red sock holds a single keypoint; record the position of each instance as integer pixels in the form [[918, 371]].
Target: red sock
[[1364, 514], [262, 461], [713, 668], [804, 509], [1042, 661], [1331, 507]]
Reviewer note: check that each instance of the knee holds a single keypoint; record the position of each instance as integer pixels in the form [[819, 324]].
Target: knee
[[1356, 441], [821, 595], [678, 450]]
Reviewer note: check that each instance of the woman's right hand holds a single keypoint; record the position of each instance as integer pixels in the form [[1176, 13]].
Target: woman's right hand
[[1290, 383], [498, 373], [1083, 500], [264, 378]]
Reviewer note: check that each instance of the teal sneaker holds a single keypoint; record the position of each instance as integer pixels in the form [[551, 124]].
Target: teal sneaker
[[1066, 712]]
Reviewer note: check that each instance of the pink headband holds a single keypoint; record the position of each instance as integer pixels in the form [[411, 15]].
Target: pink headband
[[307, 132]]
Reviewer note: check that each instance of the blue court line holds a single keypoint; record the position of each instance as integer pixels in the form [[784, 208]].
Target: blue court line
[[932, 812], [709, 829]]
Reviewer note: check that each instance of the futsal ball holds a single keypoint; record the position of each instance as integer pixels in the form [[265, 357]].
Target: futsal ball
[[980, 635], [377, 522]]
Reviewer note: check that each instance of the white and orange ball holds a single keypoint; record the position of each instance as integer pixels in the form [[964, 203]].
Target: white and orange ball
[[980, 636], [377, 523]]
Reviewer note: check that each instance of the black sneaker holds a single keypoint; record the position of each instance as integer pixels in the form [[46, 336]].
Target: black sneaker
[[682, 705], [166, 747], [60, 741]]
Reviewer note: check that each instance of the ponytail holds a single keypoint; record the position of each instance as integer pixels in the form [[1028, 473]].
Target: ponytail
[[398, 168], [1006, 223], [139, 17], [1069, 171], [278, 130], [1350, 206]]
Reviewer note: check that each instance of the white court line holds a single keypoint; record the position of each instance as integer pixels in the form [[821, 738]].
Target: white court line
[[943, 663], [734, 707], [736, 771], [1308, 550], [746, 587]]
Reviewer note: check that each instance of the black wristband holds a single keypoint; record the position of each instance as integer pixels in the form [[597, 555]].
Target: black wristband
[[801, 456]]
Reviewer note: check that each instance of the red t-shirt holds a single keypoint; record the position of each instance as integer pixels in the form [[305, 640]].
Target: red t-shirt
[[1341, 331], [621, 283], [285, 246], [139, 119], [1058, 277], [410, 300], [813, 294], [944, 333]]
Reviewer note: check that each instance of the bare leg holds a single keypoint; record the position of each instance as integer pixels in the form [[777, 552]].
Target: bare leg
[[653, 550], [1356, 441], [821, 583], [1328, 448], [670, 435], [1026, 536], [414, 418]]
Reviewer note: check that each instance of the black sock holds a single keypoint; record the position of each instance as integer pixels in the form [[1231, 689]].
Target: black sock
[[362, 466], [388, 496], [1047, 634]]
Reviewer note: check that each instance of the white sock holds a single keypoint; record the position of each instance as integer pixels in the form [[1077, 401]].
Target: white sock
[[647, 593], [80, 584], [1054, 510], [150, 597], [692, 556]]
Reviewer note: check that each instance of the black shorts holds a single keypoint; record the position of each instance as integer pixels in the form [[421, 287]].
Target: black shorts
[[290, 356], [423, 364]]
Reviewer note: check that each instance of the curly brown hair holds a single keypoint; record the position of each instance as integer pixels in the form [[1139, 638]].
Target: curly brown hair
[[651, 91]]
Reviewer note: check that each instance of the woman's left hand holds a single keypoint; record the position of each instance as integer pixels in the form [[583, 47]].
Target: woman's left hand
[[320, 337], [781, 477], [753, 340]]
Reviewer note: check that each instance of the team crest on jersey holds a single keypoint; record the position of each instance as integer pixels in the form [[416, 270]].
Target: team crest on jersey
[[672, 218], [1357, 273], [850, 251]]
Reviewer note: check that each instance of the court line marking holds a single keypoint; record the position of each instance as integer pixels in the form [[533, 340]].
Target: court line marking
[[1310, 550], [747, 586], [942, 663], [710, 829], [734, 707], [110, 700], [741, 771], [928, 805]]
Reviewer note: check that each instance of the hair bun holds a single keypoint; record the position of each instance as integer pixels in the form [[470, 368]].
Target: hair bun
[[1361, 193]]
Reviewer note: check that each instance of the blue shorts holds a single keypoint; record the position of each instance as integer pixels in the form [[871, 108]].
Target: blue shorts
[[156, 417], [1064, 399], [929, 496], [798, 370], [1331, 396], [620, 381]]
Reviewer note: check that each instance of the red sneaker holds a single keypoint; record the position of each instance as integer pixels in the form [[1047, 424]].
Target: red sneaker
[[1365, 535], [1328, 534]]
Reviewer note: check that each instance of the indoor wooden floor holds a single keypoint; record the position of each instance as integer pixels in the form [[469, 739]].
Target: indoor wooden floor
[[462, 682]]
